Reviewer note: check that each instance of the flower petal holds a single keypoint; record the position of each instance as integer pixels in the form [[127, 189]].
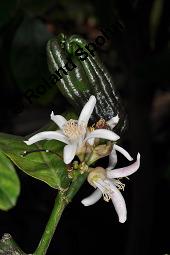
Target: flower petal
[[104, 134], [109, 190], [113, 121], [112, 159], [93, 198], [87, 111], [118, 201], [91, 141], [47, 135], [124, 171], [123, 151], [59, 120], [69, 152]]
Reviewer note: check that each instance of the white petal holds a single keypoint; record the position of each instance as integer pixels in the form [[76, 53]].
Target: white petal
[[104, 134], [80, 142], [93, 198], [87, 111], [124, 171], [118, 202], [112, 159], [113, 121], [101, 185], [123, 151], [59, 120], [91, 141], [47, 135], [69, 152]]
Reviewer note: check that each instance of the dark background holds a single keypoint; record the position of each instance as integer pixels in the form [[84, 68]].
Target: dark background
[[138, 57]]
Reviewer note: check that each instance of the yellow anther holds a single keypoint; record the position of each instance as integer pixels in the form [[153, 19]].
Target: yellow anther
[[73, 130], [91, 129], [106, 197], [119, 184]]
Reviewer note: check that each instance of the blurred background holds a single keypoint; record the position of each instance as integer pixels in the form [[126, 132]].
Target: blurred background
[[138, 58]]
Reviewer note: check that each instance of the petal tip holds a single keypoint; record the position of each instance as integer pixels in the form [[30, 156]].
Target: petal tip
[[27, 142], [52, 114], [92, 100], [122, 220], [138, 156], [85, 202], [66, 161], [118, 137], [115, 119], [92, 97]]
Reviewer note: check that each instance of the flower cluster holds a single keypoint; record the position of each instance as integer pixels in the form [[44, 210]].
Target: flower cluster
[[78, 137], [74, 133]]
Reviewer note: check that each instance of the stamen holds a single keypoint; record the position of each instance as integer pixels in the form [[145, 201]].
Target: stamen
[[106, 191], [92, 128], [106, 197], [73, 130], [119, 184]]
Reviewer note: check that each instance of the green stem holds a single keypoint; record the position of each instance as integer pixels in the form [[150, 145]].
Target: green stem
[[75, 186], [57, 211], [60, 203]]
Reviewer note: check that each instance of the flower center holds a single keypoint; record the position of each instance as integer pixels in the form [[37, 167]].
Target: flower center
[[98, 173], [73, 130]]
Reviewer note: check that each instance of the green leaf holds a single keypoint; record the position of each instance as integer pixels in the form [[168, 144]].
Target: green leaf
[[8, 246], [45, 166], [9, 184]]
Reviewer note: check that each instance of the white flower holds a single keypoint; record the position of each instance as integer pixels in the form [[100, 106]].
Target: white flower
[[107, 185], [74, 132]]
